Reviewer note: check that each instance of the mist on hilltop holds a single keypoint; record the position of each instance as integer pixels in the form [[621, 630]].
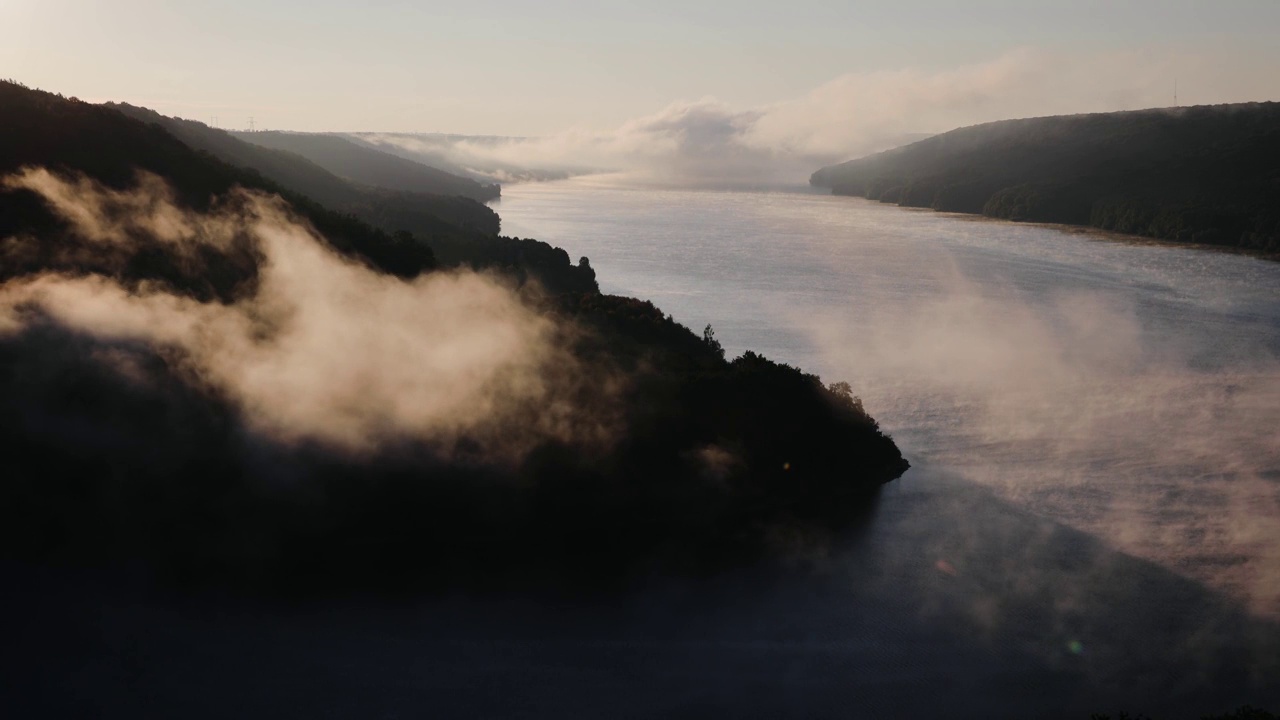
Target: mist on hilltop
[[707, 142]]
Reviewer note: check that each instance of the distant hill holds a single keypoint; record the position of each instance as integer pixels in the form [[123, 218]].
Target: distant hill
[[43, 129], [1207, 174], [470, 155], [459, 230], [424, 214], [364, 164]]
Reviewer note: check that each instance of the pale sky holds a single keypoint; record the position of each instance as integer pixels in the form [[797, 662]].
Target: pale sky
[[541, 67]]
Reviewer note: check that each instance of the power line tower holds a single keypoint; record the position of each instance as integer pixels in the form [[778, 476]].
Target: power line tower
[[250, 124], [1175, 92]]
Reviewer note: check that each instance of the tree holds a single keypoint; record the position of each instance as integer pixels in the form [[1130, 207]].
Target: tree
[[844, 393], [709, 337]]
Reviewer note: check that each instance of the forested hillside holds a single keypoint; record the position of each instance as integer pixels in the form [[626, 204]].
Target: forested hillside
[[1207, 174], [364, 164], [301, 175], [459, 230], [192, 383], [46, 130], [477, 156]]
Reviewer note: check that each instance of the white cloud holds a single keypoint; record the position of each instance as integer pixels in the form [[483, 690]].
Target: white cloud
[[708, 142]]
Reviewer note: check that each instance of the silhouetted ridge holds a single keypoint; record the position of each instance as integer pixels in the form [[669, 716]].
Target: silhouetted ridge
[[363, 164], [1206, 174], [436, 213], [660, 454], [459, 230], [41, 129]]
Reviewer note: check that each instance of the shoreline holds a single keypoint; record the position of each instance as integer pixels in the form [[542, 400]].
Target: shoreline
[[1097, 233]]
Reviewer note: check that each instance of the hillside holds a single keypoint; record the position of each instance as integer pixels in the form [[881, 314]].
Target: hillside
[[193, 383], [459, 230], [1207, 174], [41, 129], [300, 174], [469, 155], [363, 164]]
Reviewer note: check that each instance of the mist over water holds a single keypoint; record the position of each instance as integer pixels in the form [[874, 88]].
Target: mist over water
[[1091, 422], [1090, 523], [1132, 392], [709, 143]]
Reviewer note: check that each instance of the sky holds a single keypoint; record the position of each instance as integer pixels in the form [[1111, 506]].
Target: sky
[[811, 78]]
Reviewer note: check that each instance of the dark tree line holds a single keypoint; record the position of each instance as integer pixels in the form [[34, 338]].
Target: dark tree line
[[1208, 174]]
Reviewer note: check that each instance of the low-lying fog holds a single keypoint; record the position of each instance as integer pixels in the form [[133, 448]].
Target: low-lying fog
[[1091, 523], [706, 142], [1129, 391], [1092, 422]]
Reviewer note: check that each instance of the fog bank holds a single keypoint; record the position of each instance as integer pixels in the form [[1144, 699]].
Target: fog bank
[[707, 142], [322, 349], [1137, 421]]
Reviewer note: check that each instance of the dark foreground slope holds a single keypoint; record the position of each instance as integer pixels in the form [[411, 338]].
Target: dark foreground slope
[[1208, 174], [129, 447], [364, 164], [459, 230]]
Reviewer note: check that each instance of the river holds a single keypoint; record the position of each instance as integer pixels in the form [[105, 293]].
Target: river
[[1091, 522], [1072, 403]]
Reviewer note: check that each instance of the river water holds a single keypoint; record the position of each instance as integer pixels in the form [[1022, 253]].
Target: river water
[[1132, 392], [1075, 406], [1091, 522]]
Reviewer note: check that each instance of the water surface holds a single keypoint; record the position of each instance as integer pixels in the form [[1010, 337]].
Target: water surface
[[1131, 391], [1091, 523]]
